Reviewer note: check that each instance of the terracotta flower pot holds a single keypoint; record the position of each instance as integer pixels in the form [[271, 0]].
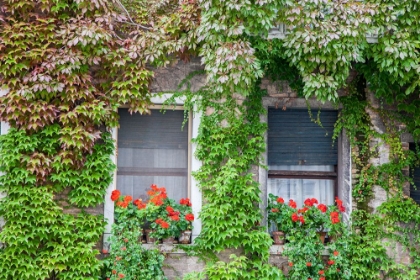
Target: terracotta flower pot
[[321, 235], [278, 237], [168, 240], [148, 238], [185, 237]]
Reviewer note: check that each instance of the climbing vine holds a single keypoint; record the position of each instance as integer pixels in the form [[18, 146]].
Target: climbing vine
[[68, 65]]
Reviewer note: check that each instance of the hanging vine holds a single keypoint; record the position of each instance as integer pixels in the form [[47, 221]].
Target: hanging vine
[[68, 65]]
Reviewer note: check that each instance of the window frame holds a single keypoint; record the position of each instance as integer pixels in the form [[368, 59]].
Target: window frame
[[194, 193], [343, 181]]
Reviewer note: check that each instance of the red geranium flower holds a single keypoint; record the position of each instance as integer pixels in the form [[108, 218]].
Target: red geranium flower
[[314, 201], [321, 272], [301, 219], [321, 278], [121, 275], [139, 203], [189, 217], [292, 203], [185, 201], [303, 210], [128, 198], [275, 210], [295, 217], [115, 195], [308, 202], [114, 271], [335, 218], [322, 207], [330, 262], [340, 204], [122, 204], [336, 253], [174, 218], [290, 264], [308, 264], [169, 209], [164, 224], [280, 200], [104, 251]]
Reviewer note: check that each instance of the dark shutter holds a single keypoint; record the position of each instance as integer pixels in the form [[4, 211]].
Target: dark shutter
[[156, 130], [415, 173], [415, 190], [152, 149], [293, 139]]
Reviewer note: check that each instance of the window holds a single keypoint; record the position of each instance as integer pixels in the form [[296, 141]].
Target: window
[[415, 173], [302, 158], [152, 149]]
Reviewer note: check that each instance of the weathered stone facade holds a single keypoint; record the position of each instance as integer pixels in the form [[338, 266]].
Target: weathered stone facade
[[279, 95]]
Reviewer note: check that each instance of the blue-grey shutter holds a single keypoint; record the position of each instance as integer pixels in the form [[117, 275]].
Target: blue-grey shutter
[[293, 139], [415, 190], [152, 149], [156, 130], [415, 173]]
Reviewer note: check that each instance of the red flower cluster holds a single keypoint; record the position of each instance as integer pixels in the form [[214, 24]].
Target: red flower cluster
[[189, 217], [322, 207], [292, 203], [157, 195], [139, 203], [321, 272], [340, 205], [303, 210], [280, 200], [308, 264], [115, 195], [296, 217], [162, 223], [127, 199], [335, 218], [330, 262], [310, 202], [173, 215], [336, 253], [275, 210], [185, 201]]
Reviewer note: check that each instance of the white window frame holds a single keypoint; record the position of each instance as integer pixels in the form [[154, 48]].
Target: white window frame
[[344, 179], [194, 192]]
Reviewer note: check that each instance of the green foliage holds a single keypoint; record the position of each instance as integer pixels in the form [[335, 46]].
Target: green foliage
[[238, 268], [127, 258], [230, 141], [68, 65]]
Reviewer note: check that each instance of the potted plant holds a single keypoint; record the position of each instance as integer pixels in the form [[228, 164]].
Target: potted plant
[[315, 217], [334, 223], [185, 222], [279, 214]]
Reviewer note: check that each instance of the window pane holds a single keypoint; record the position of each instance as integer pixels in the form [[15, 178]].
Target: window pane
[[152, 149], [301, 189]]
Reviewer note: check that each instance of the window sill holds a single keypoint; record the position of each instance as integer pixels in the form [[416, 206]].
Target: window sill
[[278, 250], [174, 248], [166, 248]]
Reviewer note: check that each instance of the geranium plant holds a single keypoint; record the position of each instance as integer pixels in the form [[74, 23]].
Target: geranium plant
[[186, 215], [279, 213], [315, 215]]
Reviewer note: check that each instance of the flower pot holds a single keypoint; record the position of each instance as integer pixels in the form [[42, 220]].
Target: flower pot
[[141, 240], [148, 238], [321, 235], [168, 240], [278, 237], [185, 237]]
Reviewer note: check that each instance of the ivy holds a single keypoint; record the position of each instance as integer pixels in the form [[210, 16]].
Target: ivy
[[68, 65]]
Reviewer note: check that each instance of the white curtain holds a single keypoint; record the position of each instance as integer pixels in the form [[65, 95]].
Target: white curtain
[[301, 189]]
